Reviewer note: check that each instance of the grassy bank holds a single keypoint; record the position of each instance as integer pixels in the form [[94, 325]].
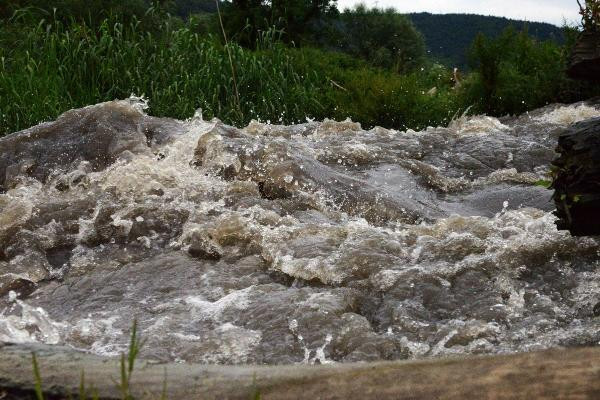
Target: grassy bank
[[49, 66], [54, 67]]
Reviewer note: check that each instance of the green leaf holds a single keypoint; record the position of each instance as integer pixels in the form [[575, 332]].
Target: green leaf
[[544, 183]]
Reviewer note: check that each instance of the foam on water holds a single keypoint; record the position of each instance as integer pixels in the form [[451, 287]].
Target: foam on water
[[313, 243], [569, 114], [31, 324], [478, 125]]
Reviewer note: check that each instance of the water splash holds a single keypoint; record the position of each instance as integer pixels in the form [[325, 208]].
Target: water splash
[[319, 242], [569, 114]]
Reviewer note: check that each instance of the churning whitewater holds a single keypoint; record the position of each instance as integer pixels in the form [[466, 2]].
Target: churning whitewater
[[314, 243]]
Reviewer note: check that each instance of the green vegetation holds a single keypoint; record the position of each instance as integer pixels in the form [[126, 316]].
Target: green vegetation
[[126, 368], [590, 14], [57, 67], [300, 21], [38, 379], [39, 392], [128, 363], [382, 97], [449, 36], [284, 63], [515, 73], [383, 37]]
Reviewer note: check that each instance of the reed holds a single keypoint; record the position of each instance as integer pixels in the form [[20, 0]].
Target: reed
[[55, 67], [51, 65]]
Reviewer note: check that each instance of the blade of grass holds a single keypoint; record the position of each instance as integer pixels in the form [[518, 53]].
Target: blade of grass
[[233, 74], [82, 394], [163, 395], [38, 379]]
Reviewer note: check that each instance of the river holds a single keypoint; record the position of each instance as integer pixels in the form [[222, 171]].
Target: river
[[315, 243]]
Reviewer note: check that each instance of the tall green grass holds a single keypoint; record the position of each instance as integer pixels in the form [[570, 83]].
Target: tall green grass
[[381, 97], [55, 67], [49, 66]]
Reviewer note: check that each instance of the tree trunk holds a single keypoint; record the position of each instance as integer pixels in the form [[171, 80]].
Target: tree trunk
[[577, 179]]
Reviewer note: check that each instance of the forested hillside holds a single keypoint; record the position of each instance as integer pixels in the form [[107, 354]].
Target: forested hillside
[[448, 36]]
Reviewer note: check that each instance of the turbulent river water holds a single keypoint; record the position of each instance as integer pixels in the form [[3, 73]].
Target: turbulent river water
[[316, 243]]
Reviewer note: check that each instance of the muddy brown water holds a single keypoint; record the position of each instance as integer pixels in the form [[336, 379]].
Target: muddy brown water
[[314, 243]]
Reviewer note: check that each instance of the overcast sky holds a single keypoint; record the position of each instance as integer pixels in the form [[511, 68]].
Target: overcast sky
[[553, 11]]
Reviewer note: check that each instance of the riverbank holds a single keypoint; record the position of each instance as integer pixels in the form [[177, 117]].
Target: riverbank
[[553, 374]]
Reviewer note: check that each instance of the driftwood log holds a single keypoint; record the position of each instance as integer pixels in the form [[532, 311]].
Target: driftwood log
[[576, 181], [585, 59], [553, 374]]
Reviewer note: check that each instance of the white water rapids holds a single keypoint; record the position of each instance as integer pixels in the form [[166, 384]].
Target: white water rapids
[[319, 242]]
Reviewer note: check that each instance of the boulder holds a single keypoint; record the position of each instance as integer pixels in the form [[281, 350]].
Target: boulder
[[21, 285], [576, 181], [585, 59]]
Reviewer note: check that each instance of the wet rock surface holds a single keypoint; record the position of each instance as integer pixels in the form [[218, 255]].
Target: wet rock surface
[[271, 244], [575, 185]]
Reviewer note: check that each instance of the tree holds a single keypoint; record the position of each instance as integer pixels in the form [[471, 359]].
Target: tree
[[245, 19], [299, 21], [382, 37], [515, 72], [590, 14], [186, 8]]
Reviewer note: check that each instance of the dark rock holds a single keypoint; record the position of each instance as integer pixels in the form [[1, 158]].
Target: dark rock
[[201, 247], [596, 309], [577, 179], [59, 256], [17, 283], [585, 59]]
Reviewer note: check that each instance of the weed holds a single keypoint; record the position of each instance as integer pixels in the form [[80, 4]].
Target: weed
[[38, 379], [255, 390], [127, 364], [50, 67]]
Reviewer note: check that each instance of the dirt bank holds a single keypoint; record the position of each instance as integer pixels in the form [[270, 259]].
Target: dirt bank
[[553, 374]]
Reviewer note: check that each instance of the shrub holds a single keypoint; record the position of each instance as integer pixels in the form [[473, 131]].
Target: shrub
[[514, 73], [384, 38]]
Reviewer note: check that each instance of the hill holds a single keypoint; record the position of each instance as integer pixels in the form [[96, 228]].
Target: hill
[[448, 36]]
